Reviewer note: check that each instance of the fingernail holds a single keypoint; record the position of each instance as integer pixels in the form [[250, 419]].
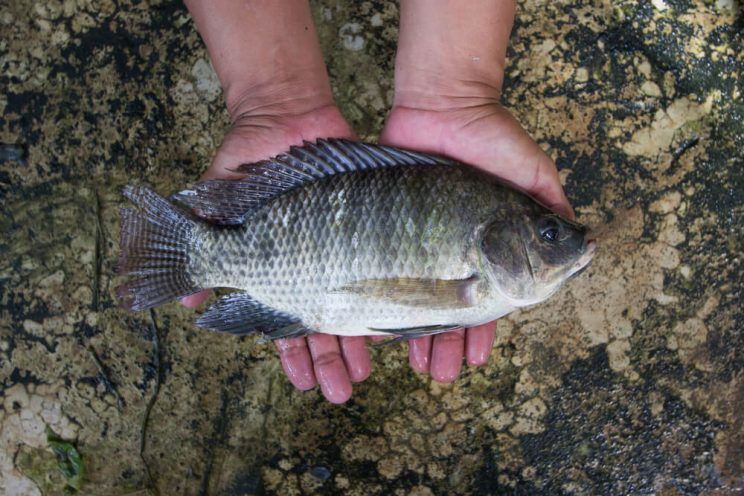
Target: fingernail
[[478, 358]]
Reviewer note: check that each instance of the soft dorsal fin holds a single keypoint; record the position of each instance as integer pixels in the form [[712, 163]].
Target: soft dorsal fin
[[228, 201]]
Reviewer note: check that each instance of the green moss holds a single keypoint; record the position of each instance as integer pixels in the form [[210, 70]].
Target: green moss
[[69, 460]]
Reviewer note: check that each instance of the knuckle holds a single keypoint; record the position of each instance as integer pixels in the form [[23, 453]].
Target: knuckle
[[328, 358]]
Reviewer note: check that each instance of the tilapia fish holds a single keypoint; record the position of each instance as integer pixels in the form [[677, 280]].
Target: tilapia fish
[[350, 239]]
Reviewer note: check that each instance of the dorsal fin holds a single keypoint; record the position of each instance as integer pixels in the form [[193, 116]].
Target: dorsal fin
[[228, 201]]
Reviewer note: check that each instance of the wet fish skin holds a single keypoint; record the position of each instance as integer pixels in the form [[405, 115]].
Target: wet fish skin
[[371, 250]]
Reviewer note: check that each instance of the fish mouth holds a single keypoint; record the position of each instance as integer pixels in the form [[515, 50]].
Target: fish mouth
[[583, 262]]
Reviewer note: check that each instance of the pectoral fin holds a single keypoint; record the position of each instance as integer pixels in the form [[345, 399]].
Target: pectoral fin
[[430, 293]]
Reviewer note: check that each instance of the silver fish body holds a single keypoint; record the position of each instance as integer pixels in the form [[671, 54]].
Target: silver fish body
[[376, 241]]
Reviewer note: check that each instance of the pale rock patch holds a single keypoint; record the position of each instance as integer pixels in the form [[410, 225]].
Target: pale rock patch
[[649, 88], [207, 82], [352, 37], [689, 337], [26, 417], [652, 140], [667, 203]]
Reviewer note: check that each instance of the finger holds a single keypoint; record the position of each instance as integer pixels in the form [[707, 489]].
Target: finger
[[446, 355], [545, 186], [530, 169], [478, 343], [516, 158], [419, 354], [377, 339], [296, 362], [356, 357], [196, 299], [329, 367]]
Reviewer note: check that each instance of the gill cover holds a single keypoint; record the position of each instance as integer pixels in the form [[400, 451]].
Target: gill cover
[[506, 260]]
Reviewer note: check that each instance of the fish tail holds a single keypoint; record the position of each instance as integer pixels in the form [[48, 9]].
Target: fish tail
[[154, 251]]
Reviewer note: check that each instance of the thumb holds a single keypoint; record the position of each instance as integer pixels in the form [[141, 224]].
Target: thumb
[[502, 147]]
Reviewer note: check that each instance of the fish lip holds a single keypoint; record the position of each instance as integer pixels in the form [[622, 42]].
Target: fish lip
[[585, 259], [590, 248]]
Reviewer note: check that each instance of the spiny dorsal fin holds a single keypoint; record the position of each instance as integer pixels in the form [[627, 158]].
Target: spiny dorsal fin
[[227, 202]]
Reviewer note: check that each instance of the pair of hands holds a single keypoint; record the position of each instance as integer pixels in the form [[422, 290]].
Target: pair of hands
[[479, 132]]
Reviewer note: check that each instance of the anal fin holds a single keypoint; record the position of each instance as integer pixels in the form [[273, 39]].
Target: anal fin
[[238, 313], [408, 333]]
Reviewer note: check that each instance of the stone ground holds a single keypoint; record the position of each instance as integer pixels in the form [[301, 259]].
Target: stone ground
[[628, 382]]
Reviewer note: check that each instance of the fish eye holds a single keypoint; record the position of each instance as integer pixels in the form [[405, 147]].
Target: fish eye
[[549, 229]]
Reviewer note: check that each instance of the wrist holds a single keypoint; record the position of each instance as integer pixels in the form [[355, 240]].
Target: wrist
[[293, 94], [452, 55], [446, 89], [265, 53]]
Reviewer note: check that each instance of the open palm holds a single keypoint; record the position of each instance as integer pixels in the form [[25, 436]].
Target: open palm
[[486, 136]]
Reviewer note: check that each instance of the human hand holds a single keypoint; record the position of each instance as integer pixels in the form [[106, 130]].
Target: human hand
[[474, 129]]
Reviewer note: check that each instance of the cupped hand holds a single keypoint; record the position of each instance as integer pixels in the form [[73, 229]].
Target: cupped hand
[[332, 362], [480, 132]]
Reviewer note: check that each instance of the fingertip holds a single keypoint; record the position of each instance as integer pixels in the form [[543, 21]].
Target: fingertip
[[480, 359], [329, 366], [444, 375], [564, 208], [419, 354], [335, 383], [446, 355], [196, 299], [301, 375], [356, 357], [296, 362], [304, 383], [338, 394], [360, 372], [479, 343]]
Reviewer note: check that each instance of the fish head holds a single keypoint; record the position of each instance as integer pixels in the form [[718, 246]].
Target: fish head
[[529, 253]]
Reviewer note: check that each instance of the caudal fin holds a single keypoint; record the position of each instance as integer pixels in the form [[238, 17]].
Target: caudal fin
[[154, 251]]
